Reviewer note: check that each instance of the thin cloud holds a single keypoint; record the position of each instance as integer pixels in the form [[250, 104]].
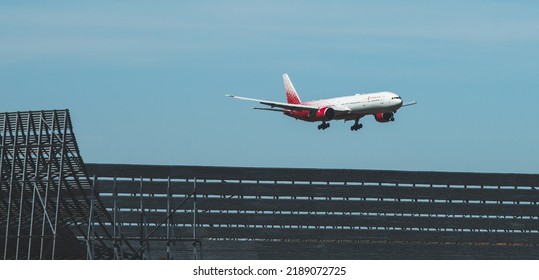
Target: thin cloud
[[137, 28]]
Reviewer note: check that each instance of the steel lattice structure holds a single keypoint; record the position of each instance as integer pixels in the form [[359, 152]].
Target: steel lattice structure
[[295, 213], [47, 206], [51, 208]]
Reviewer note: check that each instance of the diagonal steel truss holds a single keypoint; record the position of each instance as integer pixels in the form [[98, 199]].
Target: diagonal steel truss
[[48, 206]]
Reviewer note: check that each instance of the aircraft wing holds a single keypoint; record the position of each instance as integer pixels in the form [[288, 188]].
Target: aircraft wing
[[288, 106]]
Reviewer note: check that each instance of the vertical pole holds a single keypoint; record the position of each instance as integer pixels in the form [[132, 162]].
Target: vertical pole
[[89, 234], [48, 183], [60, 180], [169, 254], [36, 188], [142, 240], [2, 152], [11, 179], [31, 230], [195, 219], [24, 180], [115, 219]]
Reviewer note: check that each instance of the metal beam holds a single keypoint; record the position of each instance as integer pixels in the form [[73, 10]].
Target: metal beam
[[47, 206]]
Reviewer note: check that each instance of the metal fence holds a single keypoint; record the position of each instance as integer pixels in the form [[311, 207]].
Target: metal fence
[[188, 212], [54, 206], [47, 207]]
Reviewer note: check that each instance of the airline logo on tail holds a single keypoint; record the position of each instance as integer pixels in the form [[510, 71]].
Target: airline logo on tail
[[382, 105], [291, 94]]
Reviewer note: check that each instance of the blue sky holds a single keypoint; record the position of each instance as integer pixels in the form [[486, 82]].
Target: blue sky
[[145, 81]]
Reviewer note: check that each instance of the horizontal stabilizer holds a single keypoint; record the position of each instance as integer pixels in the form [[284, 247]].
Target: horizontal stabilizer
[[269, 109]]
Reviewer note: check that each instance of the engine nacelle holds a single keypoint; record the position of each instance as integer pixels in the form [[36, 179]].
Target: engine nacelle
[[325, 114], [384, 117]]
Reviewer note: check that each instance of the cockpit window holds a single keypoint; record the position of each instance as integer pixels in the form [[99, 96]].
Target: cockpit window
[[396, 97]]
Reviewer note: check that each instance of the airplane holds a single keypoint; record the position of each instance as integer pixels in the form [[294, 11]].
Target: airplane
[[382, 105]]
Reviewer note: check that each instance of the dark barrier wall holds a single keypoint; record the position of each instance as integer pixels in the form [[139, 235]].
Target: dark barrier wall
[[185, 212]]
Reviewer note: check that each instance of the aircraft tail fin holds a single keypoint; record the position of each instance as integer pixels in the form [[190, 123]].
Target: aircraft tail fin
[[291, 94]]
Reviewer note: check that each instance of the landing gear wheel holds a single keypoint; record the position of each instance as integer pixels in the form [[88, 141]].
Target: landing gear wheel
[[323, 126], [356, 126]]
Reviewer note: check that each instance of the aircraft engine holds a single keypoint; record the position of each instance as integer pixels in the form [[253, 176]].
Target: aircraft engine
[[325, 114], [384, 117]]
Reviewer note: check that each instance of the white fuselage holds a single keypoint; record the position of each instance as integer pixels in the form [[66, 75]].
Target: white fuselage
[[362, 104], [382, 105]]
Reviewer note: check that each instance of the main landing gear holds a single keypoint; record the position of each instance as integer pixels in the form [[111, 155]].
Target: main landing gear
[[323, 126], [356, 126]]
